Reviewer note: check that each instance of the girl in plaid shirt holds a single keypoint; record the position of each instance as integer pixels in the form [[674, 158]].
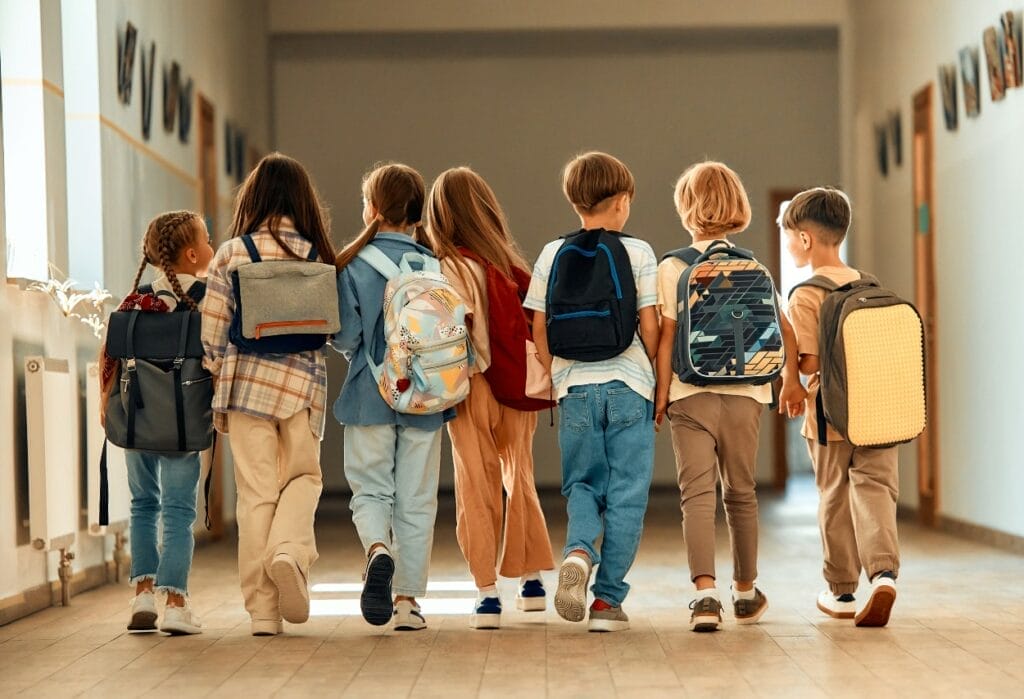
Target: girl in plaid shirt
[[271, 406]]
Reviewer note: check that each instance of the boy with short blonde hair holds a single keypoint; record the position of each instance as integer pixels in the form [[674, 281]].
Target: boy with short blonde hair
[[715, 427], [857, 485], [604, 382]]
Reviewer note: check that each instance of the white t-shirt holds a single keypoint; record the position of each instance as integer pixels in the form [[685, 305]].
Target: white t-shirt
[[632, 367]]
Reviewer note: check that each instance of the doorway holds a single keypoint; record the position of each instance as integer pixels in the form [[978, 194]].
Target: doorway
[[924, 297]]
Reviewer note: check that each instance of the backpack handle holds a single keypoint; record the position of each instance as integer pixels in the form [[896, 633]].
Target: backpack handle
[[426, 262], [723, 248]]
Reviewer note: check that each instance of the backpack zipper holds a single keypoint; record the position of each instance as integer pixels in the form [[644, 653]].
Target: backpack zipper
[[189, 382]]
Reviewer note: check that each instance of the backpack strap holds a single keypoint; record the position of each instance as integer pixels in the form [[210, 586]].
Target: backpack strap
[[372, 256], [818, 281], [313, 252], [134, 390], [179, 395], [688, 255], [819, 411], [250, 245], [104, 488]]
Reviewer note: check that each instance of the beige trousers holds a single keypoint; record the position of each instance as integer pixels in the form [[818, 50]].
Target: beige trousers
[[715, 436], [277, 472], [857, 490], [492, 447]]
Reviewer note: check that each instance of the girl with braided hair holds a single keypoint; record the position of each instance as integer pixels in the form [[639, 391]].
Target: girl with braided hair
[[164, 486]]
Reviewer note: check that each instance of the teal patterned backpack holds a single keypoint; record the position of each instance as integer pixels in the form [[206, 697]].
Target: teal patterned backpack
[[426, 365]]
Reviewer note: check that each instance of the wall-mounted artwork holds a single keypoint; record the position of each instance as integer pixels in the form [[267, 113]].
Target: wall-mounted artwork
[[994, 64], [126, 62], [172, 90], [896, 137], [882, 148], [947, 85], [185, 112], [147, 88], [1010, 36], [969, 76]]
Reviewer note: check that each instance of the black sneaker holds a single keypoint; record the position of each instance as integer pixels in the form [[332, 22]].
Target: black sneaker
[[375, 602], [706, 614]]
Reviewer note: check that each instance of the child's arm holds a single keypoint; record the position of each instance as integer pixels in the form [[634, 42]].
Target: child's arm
[[540, 338], [218, 307], [348, 339], [791, 398], [663, 365], [649, 330]]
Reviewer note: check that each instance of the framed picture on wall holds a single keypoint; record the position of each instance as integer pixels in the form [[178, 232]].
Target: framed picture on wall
[[969, 76], [1010, 36], [947, 85], [147, 88], [185, 112], [126, 62], [172, 89], [994, 64], [895, 124]]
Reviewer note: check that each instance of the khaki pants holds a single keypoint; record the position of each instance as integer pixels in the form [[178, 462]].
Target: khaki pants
[[715, 436], [856, 511], [492, 447], [277, 472]]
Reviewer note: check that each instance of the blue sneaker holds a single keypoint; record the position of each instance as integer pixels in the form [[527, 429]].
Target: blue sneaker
[[487, 614], [531, 596]]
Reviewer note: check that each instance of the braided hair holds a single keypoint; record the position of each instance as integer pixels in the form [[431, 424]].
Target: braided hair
[[167, 235]]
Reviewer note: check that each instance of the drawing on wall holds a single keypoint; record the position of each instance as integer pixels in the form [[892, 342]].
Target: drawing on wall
[[185, 112], [947, 84], [126, 62], [172, 89], [896, 137], [1010, 40], [229, 148], [994, 63], [882, 148], [969, 76], [147, 88]]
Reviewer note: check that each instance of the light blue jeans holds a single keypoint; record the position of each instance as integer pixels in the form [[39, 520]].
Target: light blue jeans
[[393, 472], [606, 434], [164, 487]]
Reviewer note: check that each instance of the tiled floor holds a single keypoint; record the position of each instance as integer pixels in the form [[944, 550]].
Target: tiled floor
[[957, 630]]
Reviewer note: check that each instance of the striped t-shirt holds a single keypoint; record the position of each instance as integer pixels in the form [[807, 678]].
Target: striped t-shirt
[[632, 366]]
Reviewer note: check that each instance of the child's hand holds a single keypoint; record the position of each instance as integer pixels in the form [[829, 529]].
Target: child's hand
[[791, 399], [660, 406]]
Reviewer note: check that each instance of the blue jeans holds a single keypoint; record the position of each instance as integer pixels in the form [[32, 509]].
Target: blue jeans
[[606, 434], [163, 487], [393, 472]]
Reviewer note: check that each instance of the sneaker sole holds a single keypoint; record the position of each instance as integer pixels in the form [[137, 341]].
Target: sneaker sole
[[607, 625], [293, 598], [835, 614], [531, 604], [142, 622], [485, 621], [571, 596], [753, 618], [876, 611], [410, 627], [705, 624], [175, 629], [375, 601]]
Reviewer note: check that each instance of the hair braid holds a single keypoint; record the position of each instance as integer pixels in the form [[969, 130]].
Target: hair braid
[[138, 275]]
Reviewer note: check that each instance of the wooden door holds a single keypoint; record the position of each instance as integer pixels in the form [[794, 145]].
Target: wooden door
[[924, 297]]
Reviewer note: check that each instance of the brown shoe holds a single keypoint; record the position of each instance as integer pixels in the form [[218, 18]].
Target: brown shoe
[[749, 611]]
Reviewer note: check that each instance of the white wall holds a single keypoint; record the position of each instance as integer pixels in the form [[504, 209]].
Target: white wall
[[516, 106], [898, 48], [222, 46]]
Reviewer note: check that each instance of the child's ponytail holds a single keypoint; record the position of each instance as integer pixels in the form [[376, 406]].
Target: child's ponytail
[[398, 193]]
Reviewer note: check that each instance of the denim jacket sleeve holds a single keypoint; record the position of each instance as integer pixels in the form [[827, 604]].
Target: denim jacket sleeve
[[350, 337]]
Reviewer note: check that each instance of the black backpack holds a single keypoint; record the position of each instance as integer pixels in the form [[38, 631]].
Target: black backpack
[[591, 299]]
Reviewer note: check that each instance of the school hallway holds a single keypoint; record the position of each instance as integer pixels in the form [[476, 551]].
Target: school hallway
[[957, 629]]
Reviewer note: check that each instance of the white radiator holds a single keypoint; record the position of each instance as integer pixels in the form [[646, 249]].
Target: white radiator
[[50, 394], [117, 471]]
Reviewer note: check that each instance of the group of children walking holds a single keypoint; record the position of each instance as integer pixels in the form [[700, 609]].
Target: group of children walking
[[595, 328]]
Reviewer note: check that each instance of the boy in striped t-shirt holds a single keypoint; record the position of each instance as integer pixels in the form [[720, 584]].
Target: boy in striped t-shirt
[[606, 410]]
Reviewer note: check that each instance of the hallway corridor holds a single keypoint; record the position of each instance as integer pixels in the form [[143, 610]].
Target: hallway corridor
[[957, 630]]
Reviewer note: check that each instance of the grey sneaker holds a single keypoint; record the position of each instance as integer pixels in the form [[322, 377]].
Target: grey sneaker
[[571, 595], [606, 618], [706, 614], [143, 618], [749, 611]]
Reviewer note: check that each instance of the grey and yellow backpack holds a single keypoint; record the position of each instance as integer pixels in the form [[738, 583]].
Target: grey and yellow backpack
[[871, 354]]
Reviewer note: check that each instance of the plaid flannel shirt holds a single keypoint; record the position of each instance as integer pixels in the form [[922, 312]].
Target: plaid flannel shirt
[[268, 386]]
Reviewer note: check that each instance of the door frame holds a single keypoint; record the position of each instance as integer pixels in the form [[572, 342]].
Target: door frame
[[923, 231]]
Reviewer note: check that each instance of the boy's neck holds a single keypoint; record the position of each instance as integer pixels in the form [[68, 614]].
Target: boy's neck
[[607, 221], [823, 256]]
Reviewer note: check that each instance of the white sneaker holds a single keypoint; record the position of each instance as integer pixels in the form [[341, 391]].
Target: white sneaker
[[837, 606], [292, 590], [143, 618], [571, 595], [879, 606], [408, 616], [180, 621]]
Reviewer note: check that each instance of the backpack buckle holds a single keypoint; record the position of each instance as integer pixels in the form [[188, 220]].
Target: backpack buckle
[[130, 364], [178, 361]]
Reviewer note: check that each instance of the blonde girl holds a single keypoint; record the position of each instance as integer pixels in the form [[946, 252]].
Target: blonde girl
[[492, 444]]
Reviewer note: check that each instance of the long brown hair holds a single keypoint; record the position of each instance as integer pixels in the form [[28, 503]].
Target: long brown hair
[[397, 192], [280, 187], [462, 211], [166, 236]]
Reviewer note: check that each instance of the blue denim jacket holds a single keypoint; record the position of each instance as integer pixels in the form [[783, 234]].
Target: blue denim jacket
[[361, 298]]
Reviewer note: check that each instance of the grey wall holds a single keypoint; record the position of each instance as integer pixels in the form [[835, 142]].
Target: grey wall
[[516, 106]]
